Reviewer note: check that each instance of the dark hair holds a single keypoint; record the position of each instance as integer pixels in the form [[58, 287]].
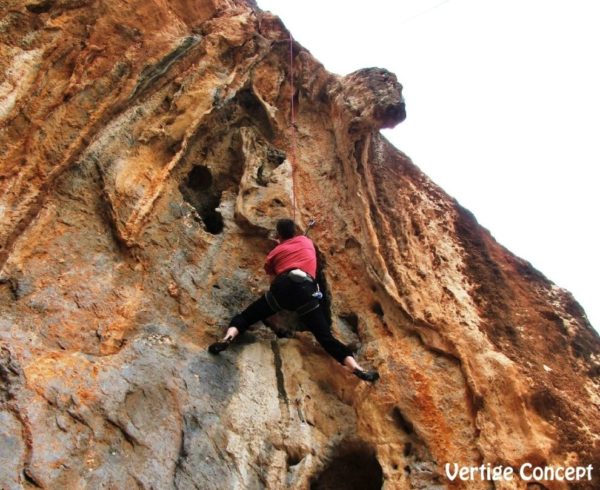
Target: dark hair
[[286, 228]]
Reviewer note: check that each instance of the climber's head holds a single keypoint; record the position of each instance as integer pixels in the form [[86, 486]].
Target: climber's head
[[286, 228]]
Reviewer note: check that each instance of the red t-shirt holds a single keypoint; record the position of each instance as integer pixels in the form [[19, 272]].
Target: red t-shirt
[[294, 253]]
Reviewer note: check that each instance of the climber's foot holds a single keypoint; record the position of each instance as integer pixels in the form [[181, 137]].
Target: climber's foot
[[219, 346], [366, 375]]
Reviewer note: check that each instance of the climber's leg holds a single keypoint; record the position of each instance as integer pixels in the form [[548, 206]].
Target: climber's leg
[[357, 370], [317, 323], [257, 311]]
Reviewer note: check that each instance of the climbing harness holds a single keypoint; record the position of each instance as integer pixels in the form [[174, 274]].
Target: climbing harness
[[307, 307], [272, 301], [298, 276]]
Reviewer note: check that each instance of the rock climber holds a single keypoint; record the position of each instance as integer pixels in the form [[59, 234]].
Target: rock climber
[[292, 265]]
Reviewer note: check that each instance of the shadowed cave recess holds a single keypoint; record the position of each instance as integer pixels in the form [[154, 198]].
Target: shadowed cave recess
[[353, 467]]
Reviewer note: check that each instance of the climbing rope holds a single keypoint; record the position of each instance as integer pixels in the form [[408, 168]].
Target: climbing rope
[[293, 161], [293, 128]]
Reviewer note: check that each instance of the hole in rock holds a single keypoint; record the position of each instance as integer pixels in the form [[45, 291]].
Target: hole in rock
[[276, 157], [377, 309], [294, 459], [352, 320], [200, 178], [260, 177], [354, 468], [416, 228], [29, 478], [351, 243], [40, 7], [401, 421], [213, 221], [255, 112], [198, 189]]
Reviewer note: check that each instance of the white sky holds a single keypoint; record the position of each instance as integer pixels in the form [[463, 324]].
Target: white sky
[[503, 103]]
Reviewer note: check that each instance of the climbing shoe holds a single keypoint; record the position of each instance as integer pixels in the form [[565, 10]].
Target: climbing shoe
[[220, 346], [366, 375]]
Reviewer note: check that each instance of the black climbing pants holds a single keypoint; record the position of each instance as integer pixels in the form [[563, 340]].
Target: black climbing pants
[[290, 296]]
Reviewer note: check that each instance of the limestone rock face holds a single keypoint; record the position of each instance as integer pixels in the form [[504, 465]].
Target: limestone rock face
[[145, 154]]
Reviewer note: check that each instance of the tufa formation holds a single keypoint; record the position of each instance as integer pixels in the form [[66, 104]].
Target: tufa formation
[[145, 154]]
